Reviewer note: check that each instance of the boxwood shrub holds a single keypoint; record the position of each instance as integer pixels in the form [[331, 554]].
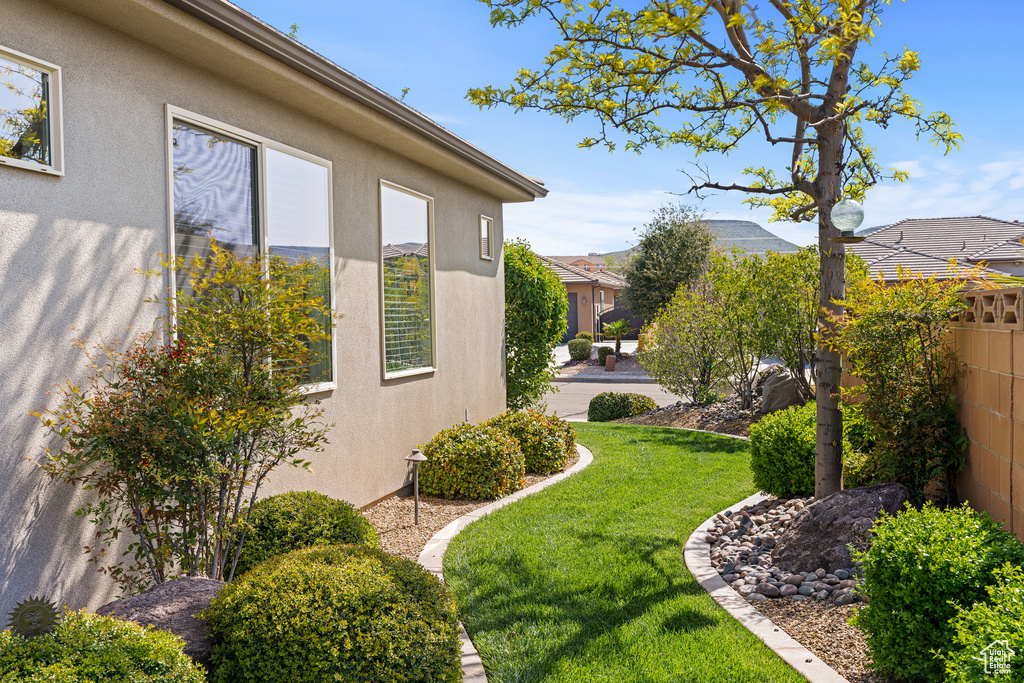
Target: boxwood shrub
[[86, 647], [981, 627], [612, 405], [472, 461], [923, 567], [782, 451], [603, 352], [568, 432], [585, 335], [579, 349], [542, 442], [280, 524], [335, 613]]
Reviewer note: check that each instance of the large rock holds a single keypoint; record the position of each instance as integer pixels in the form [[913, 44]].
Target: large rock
[[763, 375], [780, 392], [819, 534], [171, 606]]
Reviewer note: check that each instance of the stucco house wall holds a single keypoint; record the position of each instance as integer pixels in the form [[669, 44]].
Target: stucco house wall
[[70, 247]]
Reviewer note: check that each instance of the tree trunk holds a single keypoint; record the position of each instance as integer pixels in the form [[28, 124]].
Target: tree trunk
[[828, 460]]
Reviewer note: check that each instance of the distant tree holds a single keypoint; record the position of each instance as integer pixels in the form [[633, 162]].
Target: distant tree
[[673, 251], [536, 305], [709, 73], [617, 329]]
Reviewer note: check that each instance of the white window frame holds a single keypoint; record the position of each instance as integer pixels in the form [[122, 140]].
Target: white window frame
[[490, 239], [261, 144], [55, 115], [433, 289]]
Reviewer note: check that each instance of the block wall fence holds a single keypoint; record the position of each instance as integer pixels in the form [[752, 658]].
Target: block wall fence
[[989, 338]]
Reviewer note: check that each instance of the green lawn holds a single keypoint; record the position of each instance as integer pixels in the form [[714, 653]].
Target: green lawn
[[585, 581]]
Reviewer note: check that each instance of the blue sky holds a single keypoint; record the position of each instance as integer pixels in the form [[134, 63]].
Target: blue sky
[[439, 49]]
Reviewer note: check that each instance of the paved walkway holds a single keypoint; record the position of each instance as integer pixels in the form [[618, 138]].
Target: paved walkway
[[573, 398]]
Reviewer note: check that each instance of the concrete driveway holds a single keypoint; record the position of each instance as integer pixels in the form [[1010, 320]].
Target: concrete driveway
[[573, 398]]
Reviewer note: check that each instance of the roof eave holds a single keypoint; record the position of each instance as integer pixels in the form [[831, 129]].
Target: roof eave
[[243, 27]]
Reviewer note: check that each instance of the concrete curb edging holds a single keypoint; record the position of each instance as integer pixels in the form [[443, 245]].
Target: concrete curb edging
[[697, 555], [432, 556]]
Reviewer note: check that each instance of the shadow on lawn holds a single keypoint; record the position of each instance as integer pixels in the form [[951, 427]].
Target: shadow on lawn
[[593, 610]]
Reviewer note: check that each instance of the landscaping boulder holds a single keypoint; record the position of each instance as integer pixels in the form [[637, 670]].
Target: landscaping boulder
[[171, 606], [763, 375], [779, 392], [819, 534]]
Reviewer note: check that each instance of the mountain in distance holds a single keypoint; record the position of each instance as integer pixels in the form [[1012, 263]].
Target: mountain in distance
[[747, 235]]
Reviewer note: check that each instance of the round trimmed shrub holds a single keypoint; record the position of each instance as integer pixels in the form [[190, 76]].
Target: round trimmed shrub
[[542, 442], [88, 647], [603, 352], [585, 335], [612, 405], [979, 628], [579, 349], [782, 451], [472, 461], [922, 568], [299, 519], [335, 613], [568, 432]]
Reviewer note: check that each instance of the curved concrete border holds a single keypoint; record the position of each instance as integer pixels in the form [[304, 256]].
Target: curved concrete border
[[432, 557], [697, 555]]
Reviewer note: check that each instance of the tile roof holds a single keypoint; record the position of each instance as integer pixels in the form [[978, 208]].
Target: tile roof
[[926, 245], [569, 275]]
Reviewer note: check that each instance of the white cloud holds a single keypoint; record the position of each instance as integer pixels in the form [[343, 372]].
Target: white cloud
[[579, 222]]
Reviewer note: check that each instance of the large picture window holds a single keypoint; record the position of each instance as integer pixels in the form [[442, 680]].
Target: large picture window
[[30, 133], [252, 196], [407, 275]]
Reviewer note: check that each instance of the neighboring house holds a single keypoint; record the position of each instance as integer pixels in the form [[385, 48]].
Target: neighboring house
[[166, 120], [926, 246], [591, 295], [591, 263]]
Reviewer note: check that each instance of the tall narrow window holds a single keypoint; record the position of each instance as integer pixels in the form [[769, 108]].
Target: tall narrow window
[[29, 113], [406, 277], [298, 229], [218, 175], [486, 237]]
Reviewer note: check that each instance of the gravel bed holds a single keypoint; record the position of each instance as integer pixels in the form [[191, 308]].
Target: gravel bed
[[393, 518], [822, 628]]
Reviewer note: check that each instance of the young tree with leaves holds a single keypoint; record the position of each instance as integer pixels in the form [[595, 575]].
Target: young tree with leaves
[[786, 71], [176, 438], [536, 305], [673, 251]]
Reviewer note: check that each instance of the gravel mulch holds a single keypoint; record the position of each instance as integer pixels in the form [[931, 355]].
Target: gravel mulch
[[625, 365], [393, 518], [822, 628]]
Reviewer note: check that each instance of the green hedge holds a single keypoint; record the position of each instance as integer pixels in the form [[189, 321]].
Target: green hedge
[[585, 335], [542, 441], [782, 451], [568, 433], [612, 405], [603, 352], [579, 349], [88, 648], [472, 461], [280, 524], [980, 627], [921, 569], [335, 613]]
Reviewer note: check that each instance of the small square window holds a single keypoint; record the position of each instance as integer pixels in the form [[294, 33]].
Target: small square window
[[486, 238], [30, 132]]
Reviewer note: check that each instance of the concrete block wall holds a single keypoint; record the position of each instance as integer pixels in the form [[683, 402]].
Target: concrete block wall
[[989, 338]]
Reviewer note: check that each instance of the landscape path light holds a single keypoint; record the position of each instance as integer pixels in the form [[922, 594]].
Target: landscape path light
[[416, 457], [847, 215]]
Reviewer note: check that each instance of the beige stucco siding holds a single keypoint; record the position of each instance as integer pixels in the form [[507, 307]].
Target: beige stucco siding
[[69, 248]]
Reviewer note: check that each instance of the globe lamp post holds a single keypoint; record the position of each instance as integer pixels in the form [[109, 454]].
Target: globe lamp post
[[847, 216]]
